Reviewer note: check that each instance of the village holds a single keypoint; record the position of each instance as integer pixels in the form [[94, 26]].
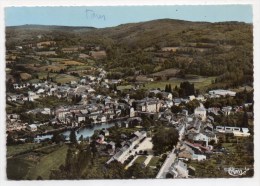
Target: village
[[134, 101], [198, 133]]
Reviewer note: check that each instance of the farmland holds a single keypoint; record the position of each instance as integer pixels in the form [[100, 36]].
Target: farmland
[[64, 78], [14, 150], [168, 72], [200, 82], [32, 165], [48, 162]]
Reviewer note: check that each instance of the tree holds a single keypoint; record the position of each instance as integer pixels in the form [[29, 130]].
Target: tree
[[137, 170], [176, 109], [10, 140], [245, 118], [39, 178], [114, 170], [192, 105], [166, 88], [186, 89], [164, 140], [151, 94], [73, 138], [159, 95], [57, 138], [81, 138], [169, 88]]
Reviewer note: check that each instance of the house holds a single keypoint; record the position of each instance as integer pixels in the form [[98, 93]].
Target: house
[[80, 117], [185, 152], [177, 101], [111, 146], [179, 169], [194, 126], [32, 96], [221, 92], [199, 138], [155, 91], [181, 130], [105, 132], [12, 97], [199, 157], [93, 116], [102, 118], [32, 127], [211, 136], [120, 155], [192, 97], [132, 112], [210, 119], [124, 124], [226, 110], [100, 139], [45, 44], [167, 95], [227, 129], [201, 113], [208, 127], [214, 110], [243, 133], [13, 117], [185, 112], [149, 106], [200, 98]]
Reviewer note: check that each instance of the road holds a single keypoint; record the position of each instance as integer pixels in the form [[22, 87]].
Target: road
[[167, 164]]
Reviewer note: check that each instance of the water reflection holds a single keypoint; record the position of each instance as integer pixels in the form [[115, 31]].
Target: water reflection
[[85, 132]]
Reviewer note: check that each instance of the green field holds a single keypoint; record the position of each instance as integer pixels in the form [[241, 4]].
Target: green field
[[23, 167], [64, 78], [124, 87], [42, 75], [17, 168], [153, 161], [57, 59], [81, 67], [49, 162], [17, 149], [140, 159], [200, 83]]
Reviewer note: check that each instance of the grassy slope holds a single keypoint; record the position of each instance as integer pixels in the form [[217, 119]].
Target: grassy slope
[[17, 168], [199, 84], [153, 161], [64, 78], [49, 162], [16, 149], [140, 159]]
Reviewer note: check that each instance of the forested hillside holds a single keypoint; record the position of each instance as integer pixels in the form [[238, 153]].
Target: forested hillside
[[223, 50]]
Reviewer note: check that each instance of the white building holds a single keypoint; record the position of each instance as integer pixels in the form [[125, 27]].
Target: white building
[[132, 112], [222, 92], [32, 127], [179, 170], [201, 113]]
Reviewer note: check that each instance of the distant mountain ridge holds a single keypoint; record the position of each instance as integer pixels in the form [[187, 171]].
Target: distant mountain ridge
[[163, 32]]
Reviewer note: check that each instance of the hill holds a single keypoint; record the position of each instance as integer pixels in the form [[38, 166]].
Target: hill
[[223, 49]]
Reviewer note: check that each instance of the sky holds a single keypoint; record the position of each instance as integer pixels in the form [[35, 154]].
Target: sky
[[106, 16]]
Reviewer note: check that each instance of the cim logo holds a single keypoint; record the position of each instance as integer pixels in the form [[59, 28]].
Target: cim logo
[[236, 171]]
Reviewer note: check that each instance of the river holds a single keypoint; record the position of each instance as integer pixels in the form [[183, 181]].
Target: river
[[85, 132]]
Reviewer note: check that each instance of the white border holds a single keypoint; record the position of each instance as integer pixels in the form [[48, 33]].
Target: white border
[[194, 182]]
